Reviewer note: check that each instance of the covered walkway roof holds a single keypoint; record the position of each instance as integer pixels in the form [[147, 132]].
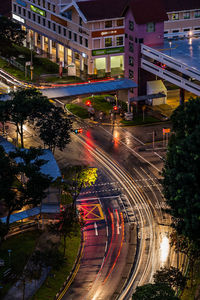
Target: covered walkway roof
[[89, 88]]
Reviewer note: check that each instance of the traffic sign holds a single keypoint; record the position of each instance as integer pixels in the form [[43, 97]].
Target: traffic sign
[[166, 130]]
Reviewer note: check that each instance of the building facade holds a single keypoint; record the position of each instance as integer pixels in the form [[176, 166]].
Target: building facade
[[183, 17], [102, 38]]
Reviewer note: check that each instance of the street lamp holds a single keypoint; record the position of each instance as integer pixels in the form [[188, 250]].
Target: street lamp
[[170, 48]]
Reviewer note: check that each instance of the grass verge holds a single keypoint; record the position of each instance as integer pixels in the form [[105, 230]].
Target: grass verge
[[53, 284], [99, 103], [22, 245], [78, 110], [138, 120], [189, 292], [12, 70], [64, 79]]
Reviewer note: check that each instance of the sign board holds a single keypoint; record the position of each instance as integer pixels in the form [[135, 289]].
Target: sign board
[[108, 32], [107, 51], [166, 130], [71, 69], [18, 18], [21, 3], [28, 63], [59, 20], [38, 10]]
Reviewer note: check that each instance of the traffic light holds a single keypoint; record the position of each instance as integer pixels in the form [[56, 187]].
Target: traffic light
[[115, 108], [79, 130], [88, 103]]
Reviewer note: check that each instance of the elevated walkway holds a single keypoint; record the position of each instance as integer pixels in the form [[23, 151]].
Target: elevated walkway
[[177, 62], [89, 88]]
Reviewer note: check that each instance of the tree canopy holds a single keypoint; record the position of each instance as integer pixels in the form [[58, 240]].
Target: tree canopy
[[171, 276], [27, 104], [68, 224], [10, 33], [76, 178], [55, 129], [158, 291], [181, 171], [21, 182]]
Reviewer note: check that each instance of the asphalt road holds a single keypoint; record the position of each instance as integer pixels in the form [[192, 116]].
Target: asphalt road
[[130, 169]]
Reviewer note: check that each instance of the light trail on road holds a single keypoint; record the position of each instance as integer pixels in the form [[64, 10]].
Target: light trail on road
[[145, 217]]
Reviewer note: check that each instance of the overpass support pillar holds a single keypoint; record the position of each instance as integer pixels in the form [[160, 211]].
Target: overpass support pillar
[[182, 96]]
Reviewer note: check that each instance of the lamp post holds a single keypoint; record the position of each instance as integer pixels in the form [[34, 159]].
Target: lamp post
[[31, 66], [170, 48]]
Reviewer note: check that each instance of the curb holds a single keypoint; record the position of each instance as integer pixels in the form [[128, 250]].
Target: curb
[[73, 272]]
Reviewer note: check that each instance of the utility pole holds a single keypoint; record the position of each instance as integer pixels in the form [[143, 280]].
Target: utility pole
[[31, 66]]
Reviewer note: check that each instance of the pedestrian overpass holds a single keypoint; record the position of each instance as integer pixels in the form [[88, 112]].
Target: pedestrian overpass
[[177, 62]]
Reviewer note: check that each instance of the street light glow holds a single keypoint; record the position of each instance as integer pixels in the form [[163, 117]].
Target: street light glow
[[164, 249]]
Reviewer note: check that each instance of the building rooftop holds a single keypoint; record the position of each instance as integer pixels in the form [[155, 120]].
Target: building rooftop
[[50, 168], [89, 88], [179, 5], [102, 9], [184, 50], [145, 11]]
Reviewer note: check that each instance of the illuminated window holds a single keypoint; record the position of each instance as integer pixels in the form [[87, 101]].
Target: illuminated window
[[197, 14], [150, 27], [130, 60], [108, 42], [175, 16], [119, 40], [108, 24], [131, 25], [130, 74], [186, 15], [120, 23]]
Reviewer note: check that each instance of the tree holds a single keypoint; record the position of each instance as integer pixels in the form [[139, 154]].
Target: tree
[[21, 182], [3, 231], [55, 129], [181, 170], [76, 178], [187, 247], [27, 104], [5, 108], [158, 291], [10, 33], [171, 276], [68, 224]]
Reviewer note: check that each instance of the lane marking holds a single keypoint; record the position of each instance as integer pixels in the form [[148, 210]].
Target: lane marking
[[95, 228], [118, 254], [118, 232], [106, 246], [107, 230]]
